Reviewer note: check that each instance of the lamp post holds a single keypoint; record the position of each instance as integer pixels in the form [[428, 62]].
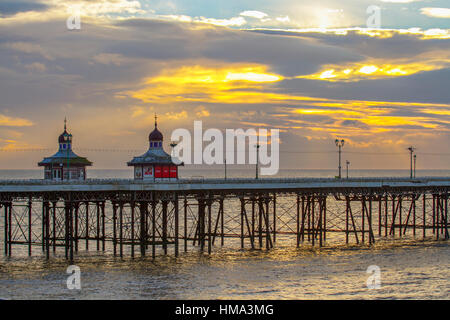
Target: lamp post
[[340, 145], [257, 159], [225, 163], [415, 156], [172, 146], [411, 151], [347, 163]]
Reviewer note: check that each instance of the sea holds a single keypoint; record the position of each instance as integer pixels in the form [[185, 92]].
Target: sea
[[408, 268]]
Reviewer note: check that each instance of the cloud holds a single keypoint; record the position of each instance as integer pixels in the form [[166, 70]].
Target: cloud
[[8, 8], [254, 14], [400, 1], [436, 12], [14, 122], [283, 19], [117, 74]]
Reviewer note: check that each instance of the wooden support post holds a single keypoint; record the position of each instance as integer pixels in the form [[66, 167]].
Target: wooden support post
[[185, 204], [379, 216], [153, 229], [77, 205], [70, 236], [433, 214], [253, 217], [176, 210], [10, 239], [209, 202], [114, 229], [132, 237], [424, 224], [371, 235], [242, 221], [414, 215], [325, 218], [103, 226], [201, 224], [274, 218], [400, 200], [269, 243], [386, 216], [304, 208], [87, 225], [222, 230], [363, 207], [6, 228], [47, 228], [313, 218], [298, 221], [353, 220], [347, 200], [67, 226], [251, 235], [143, 210], [30, 225], [164, 225], [321, 223], [121, 229], [54, 217], [446, 217], [98, 225], [310, 204], [392, 231], [438, 200], [260, 209]]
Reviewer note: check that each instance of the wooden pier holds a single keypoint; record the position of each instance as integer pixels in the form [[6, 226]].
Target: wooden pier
[[136, 218]]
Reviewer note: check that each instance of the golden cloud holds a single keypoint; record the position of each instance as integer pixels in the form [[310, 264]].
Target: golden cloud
[[374, 70], [14, 122]]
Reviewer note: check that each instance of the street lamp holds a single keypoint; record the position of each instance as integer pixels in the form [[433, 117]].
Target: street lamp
[[257, 159], [411, 151], [340, 145], [225, 163], [172, 146], [415, 156], [347, 163]]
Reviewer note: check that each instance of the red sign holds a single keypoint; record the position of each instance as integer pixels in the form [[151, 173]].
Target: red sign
[[173, 171], [165, 172], [158, 172]]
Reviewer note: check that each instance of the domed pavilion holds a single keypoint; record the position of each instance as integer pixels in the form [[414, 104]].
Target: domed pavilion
[[65, 164]]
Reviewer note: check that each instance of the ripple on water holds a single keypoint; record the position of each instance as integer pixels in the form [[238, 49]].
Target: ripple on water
[[408, 271]]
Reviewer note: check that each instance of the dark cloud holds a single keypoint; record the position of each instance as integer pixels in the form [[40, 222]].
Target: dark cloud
[[395, 46], [8, 8], [354, 124]]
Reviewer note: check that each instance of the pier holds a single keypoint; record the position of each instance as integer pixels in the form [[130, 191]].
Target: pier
[[143, 218]]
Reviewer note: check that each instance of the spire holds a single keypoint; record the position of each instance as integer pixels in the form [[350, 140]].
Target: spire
[[65, 123], [156, 120]]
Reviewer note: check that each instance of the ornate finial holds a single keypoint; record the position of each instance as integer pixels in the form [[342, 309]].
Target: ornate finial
[[156, 120], [65, 123]]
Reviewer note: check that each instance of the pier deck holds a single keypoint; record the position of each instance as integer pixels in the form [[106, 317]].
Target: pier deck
[[131, 215]]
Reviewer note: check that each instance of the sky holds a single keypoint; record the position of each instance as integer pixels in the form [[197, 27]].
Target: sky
[[316, 70]]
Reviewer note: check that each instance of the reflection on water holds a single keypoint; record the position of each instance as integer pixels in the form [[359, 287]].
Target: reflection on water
[[408, 270]]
